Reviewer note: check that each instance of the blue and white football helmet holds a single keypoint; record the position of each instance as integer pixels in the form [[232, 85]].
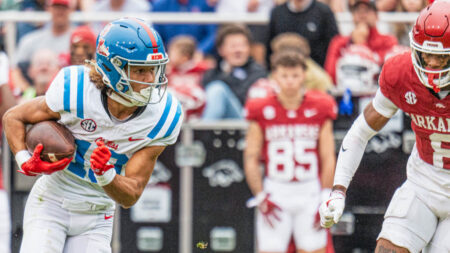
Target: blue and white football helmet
[[131, 42]]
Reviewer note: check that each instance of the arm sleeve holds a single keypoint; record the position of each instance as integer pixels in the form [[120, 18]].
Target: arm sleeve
[[383, 105], [54, 97], [352, 150]]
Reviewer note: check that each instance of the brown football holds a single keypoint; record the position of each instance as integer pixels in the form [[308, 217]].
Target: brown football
[[57, 140]]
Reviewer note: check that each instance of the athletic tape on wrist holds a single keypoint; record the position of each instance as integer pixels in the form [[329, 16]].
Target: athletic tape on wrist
[[106, 178], [22, 156]]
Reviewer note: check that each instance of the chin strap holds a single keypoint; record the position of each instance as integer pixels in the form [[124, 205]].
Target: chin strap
[[118, 98]]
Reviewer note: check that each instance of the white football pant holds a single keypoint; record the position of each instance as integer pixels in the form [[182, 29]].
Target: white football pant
[[299, 203], [51, 228], [418, 219]]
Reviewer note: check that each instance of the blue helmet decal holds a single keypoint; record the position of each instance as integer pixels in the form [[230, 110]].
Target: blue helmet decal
[[129, 42]]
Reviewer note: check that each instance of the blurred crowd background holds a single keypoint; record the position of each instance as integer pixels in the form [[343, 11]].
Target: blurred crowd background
[[214, 68]]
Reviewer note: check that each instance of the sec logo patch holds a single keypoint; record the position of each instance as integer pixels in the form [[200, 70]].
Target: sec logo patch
[[89, 125]]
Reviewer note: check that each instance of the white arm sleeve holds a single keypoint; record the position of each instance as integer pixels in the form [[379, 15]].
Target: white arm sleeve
[[352, 150], [356, 139], [383, 105]]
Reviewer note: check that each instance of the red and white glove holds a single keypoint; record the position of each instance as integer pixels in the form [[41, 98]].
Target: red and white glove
[[32, 165], [267, 208], [103, 171], [331, 209]]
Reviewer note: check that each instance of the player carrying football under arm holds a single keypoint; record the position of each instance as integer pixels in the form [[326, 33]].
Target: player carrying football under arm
[[419, 83], [292, 132], [121, 118]]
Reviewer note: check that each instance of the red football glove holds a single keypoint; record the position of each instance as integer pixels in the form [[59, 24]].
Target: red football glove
[[35, 166], [267, 208], [99, 159]]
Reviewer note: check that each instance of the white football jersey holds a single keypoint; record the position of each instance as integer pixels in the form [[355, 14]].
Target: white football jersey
[[80, 105]]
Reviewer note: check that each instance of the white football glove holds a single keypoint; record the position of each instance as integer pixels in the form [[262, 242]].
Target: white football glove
[[331, 210]]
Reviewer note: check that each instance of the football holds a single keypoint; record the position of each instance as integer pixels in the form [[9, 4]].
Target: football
[[57, 140]]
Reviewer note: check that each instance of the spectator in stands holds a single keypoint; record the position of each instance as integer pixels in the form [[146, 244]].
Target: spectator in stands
[[54, 35], [316, 77], [357, 58], [43, 68], [185, 76], [312, 19], [9, 5], [26, 27], [259, 32], [82, 45], [402, 29], [204, 34], [117, 6], [383, 5], [121, 6], [6, 101], [227, 84], [336, 5]]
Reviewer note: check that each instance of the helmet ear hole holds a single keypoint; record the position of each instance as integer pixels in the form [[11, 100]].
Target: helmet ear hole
[[106, 67]]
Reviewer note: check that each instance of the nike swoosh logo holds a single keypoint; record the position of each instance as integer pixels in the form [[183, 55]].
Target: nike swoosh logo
[[343, 149], [107, 217], [131, 139]]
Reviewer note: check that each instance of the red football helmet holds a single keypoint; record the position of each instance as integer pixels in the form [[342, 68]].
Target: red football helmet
[[431, 35]]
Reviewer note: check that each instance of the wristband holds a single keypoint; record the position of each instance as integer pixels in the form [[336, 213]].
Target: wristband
[[335, 193], [106, 178], [21, 157]]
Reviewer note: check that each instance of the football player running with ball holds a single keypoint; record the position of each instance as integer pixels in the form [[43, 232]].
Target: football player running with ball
[[122, 119], [418, 83], [292, 132]]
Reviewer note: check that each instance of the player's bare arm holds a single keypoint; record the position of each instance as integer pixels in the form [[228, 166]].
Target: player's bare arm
[[326, 154], [127, 189], [16, 119], [252, 154]]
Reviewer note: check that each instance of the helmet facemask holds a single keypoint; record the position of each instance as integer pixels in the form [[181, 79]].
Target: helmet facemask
[[149, 95], [435, 79]]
